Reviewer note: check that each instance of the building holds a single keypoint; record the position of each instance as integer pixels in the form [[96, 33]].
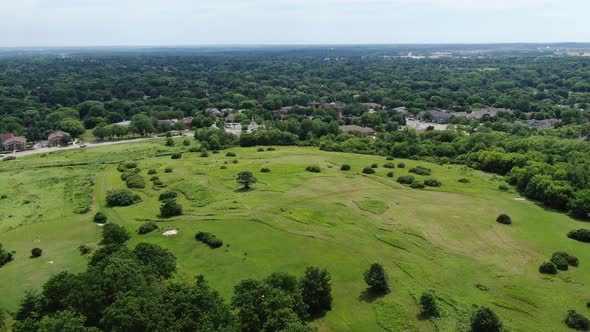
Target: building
[[56, 138], [542, 124], [435, 116], [15, 143], [188, 123], [402, 110], [492, 112], [354, 128]]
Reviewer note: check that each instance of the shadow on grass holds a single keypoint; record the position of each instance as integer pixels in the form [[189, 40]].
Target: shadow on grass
[[369, 295]]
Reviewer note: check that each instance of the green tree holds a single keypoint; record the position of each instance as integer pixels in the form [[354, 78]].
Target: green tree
[[376, 278], [114, 234], [170, 208], [485, 320], [159, 261], [428, 306], [246, 179], [72, 126], [316, 290], [64, 321]]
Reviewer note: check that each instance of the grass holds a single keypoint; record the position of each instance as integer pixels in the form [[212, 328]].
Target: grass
[[445, 238]]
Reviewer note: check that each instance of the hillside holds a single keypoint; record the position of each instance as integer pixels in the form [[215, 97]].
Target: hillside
[[445, 238]]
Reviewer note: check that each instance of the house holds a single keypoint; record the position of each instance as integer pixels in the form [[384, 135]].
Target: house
[[435, 116], [542, 124], [336, 105], [188, 123], [402, 110], [354, 128], [253, 126], [234, 128], [230, 118], [5, 136], [56, 138], [284, 111], [15, 143], [492, 112]]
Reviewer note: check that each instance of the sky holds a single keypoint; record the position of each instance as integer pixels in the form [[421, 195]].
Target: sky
[[25, 23]]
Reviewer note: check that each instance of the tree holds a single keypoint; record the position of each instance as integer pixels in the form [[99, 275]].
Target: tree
[[504, 219], [580, 205], [170, 208], [122, 197], [72, 126], [376, 278], [428, 306], [101, 132], [36, 252], [316, 290], [548, 268], [66, 321], [577, 321], [246, 178], [114, 234], [160, 262], [100, 218], [142, 124], [485, 320], [5, 256]]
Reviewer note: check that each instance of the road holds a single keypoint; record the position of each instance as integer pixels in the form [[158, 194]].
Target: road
[[76, 146]]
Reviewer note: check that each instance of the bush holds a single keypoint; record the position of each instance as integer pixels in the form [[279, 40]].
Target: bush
[[3, 196], [368, 170], [548, 268], [577, 321], [186, 142], [420, 170], [374, 165], [170, 208], [485, 320], [463, 180], [209, 239], [265, 170], [376, 278], [270, 148], [313, 168], [9, 158], [167, 170], [194, 149], [390, 174], [230, 154], [84, 249], [147, 227], [389, 165], [176, 156], [389, 158], [260, 150], [428, 306], [123, 197], [504, 219], [36, 252], [215, 151], [167, 195], [345, 167], [152, 171], [417, 185], [126, 166], [223, 167], [582, 235], [503, 187], [5, 256], [560, 262], [100, 218], [235, 161], [169, 142], [571, 260], [204, 153], [154, 178], [406, 179], [401, 165], [135, 182], [432, 182]]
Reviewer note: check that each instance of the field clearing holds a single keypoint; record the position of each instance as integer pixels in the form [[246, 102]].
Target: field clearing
[[444, 238]]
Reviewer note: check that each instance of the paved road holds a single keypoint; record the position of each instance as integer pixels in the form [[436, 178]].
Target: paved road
[[76, 146]]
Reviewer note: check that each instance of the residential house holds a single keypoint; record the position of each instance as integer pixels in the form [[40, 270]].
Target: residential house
[[188, 123], [253, 126], [435, 116], [5, 136], [15, 143], [492, 112], [233, 128], [542, 124], [402, 110], [354, 128], [56, 138], [336, 105]]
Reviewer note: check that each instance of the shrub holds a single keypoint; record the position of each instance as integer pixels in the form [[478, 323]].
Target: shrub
[[100, 218], [152, 171], [270, 148], [154, 178], [223, 167], [170, 208], [504, 219], [560, 262], [5, 256], [389, 165], [420, 170], [260, 150], [401, 165], [36, 252], [3, 196], [571, 260], [167, 170], [313, 168], [368, 170], [406, 179], [158, 183], [389, 158], [432, 182], [582, 235], [428, 306], [235, 161], [577, 321], [9, 158], [209, 239], [230, 154], [548, 268], [126, 166], [167, 195], [264, 170], [84, 249], [390, 174], [186, 142], [215, 151], [485, 320], [374, 165], [417, 185], [135, 182], [503, 187], [147, 227], [463, 180], [176, 156], [169, 141], [376, 278], [123, 197], [194, 149], [204, 153], [345, 167]]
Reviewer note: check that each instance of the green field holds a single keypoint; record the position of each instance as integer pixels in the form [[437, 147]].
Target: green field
[[445, 238]]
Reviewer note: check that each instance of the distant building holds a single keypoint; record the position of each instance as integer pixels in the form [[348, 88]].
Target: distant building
[[542, 124], [233, 128], [15, 143], [402, 110], [253, 126], [336, 105], [354, 128], [188, 123], [5, 136], [492, 112], [435, 116], [56, 138]]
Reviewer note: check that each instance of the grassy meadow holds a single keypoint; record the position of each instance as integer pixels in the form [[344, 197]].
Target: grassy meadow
[[445, 239]]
